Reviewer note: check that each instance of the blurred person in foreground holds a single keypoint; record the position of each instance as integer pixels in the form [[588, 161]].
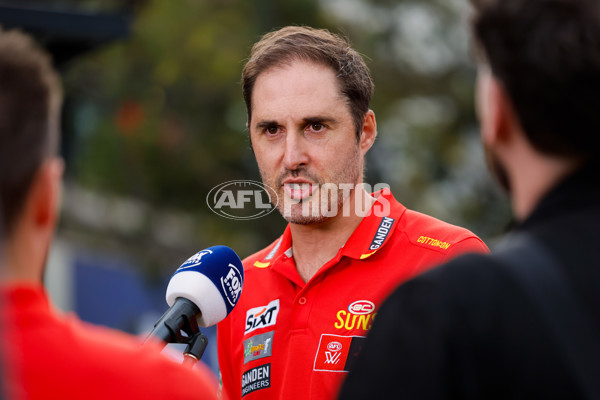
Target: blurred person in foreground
[[310, 297], [48, 355], [523, 323]]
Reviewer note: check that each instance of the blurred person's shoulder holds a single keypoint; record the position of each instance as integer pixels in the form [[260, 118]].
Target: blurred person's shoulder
[[472, 285], [139, 369], [52, 353]]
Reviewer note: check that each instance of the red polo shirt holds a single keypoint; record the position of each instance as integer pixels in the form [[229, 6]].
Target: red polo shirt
[[287, 339], [47, 355]]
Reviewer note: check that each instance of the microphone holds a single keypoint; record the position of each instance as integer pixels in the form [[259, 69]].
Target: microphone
[[202, 291]]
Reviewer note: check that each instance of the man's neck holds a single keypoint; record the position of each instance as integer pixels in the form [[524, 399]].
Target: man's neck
[[533, 180], [315, 244], [23, 256]]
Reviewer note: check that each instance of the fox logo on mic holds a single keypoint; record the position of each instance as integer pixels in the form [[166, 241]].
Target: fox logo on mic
[[194, 260], [232, 285], [212, 279]]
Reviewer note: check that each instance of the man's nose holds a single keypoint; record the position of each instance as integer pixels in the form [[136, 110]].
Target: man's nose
[[296, 152]]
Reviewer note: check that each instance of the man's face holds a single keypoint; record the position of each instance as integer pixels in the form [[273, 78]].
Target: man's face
[[303, 135]]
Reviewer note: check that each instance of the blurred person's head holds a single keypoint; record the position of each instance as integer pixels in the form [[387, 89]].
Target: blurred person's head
[[307, 93], [319, 46], [539, 76], [30, 171]]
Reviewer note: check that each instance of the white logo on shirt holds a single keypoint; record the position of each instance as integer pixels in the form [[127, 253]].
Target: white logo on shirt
[[260, 317]]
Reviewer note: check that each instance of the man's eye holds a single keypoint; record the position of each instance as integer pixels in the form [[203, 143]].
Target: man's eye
[[316, 127], [272, 130]]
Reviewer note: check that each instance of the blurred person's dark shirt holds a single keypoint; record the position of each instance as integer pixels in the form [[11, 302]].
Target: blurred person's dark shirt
[[469, 330]]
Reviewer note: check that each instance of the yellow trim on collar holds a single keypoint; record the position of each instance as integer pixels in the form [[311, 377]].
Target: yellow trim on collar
[[259, 264], [363, 256]]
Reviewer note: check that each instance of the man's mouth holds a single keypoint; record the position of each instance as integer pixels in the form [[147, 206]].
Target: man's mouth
[[298, 190]]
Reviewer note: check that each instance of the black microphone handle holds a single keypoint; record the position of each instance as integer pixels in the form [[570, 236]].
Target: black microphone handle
[[180, 317]]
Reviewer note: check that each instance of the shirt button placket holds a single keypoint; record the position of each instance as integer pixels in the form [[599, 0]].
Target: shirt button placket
[[301, 312]]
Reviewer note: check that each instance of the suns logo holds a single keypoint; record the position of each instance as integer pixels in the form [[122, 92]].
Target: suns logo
[[359, 315]]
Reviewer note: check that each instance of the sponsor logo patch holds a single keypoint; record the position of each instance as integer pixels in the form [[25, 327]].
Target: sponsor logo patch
[[258, 346], [337, 353], [382, 232], [361, 307], [256, 378], [434, 242], [260, 317], [359, 316]]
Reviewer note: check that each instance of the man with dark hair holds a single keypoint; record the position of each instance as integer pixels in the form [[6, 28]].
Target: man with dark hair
[[47, 355], [310, 297], [523, 323]]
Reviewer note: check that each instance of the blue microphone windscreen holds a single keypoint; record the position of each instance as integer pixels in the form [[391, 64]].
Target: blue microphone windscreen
[[213, 279]]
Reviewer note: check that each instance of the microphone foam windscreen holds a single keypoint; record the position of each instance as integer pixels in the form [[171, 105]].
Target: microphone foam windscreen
[[212, 279]]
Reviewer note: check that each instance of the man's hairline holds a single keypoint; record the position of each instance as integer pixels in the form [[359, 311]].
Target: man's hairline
[[287, 62]]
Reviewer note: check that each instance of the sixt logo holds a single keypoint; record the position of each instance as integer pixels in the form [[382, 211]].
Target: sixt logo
[[260, 317], [232, 285], [194, 260], [242, 199]]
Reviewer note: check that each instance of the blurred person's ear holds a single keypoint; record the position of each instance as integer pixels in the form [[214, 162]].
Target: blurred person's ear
[[29, 243], [496, 115], [44, 194]]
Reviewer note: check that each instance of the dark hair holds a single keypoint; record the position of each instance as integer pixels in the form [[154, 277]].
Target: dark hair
[[317, 45], [30, 99], [546, 54]]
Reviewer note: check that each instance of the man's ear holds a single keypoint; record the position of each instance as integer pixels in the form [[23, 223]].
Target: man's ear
[[494, 109], [369, 132], [44, 193]]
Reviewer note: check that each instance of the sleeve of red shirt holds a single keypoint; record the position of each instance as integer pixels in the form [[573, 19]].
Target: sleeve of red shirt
[[187, 383], [469, 245], [225, 366], [167, 378]]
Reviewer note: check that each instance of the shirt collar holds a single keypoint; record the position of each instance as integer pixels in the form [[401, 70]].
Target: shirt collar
[[371, 235], [376, 229], [23, 295], [282, 247]]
